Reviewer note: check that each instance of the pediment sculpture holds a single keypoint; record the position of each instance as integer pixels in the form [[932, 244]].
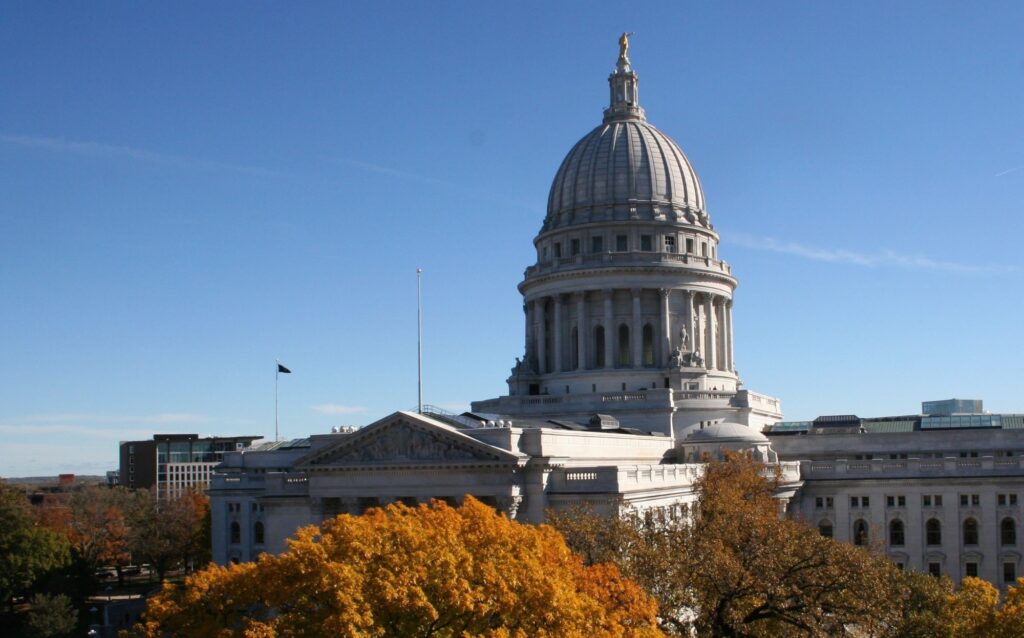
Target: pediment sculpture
[[407, 444]]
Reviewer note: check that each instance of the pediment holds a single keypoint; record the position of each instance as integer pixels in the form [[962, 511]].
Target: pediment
[[405, 439]]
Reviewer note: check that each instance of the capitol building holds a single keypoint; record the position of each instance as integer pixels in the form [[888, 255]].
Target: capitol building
[[628, 381]]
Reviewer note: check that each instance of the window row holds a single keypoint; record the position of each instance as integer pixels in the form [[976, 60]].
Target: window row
[[621, 244], [932, 532]]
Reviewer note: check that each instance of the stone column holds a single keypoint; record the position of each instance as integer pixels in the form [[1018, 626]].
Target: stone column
[[581, 330], [557, 327], [691, 325], [732, 362], [542, 346], [666, 334], [609, 330], [528, 351], [722, 328], [636, 332], [709, 333]]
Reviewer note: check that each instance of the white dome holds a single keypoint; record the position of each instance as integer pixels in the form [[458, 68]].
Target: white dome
[[725, 431], [625, 169]]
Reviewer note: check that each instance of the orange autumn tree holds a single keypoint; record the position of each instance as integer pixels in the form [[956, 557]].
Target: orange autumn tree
[[426, 571]]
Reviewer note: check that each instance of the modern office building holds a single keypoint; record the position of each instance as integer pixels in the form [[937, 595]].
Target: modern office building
[[172, 463]]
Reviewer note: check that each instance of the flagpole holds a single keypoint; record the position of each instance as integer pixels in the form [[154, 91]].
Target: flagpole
[[419, 340], [277, 374]]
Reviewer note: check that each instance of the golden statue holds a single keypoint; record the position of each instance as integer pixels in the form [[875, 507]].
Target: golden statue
[[624, 46]]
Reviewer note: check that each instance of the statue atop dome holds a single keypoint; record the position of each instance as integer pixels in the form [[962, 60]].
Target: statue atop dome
[[624, 47]]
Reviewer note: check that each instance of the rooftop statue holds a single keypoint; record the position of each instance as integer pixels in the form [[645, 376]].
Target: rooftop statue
[[624, 46]]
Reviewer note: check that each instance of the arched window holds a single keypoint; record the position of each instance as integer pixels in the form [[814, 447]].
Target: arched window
[[648, 335], [896, 535], [599, 346], [1008, 532], [624, 349], [860, 532], [825, 528], [236, 533], [933, 532], [257, 533], [970, 532]]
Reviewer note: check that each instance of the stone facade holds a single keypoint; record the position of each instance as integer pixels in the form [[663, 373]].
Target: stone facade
[[945, 500]]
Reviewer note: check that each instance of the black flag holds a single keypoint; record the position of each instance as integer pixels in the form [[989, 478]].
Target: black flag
[[282, 369]]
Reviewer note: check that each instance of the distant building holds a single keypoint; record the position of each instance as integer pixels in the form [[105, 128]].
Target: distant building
[[172, 463], [941, 491]]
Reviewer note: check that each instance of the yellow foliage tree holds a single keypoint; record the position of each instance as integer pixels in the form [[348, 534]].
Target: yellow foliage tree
[[427, 571], [735, 567]]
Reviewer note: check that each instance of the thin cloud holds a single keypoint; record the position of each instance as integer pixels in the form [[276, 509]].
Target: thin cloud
[[334, 409], [882, 259], [98, 149], [1008, 171], [163, 418]]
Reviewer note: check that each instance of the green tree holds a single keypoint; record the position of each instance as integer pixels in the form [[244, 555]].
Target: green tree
[[428, 571], [51, 616], [27, 551], [168, 533]]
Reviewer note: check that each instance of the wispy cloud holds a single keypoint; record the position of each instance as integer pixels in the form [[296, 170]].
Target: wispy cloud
[[98, 149], [881, 259], [394, 172], [1008, 171], [334, 409], [162, 418]]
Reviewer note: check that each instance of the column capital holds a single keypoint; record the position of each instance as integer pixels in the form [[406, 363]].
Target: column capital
[[636, 291], [608, 292], [665, 292]]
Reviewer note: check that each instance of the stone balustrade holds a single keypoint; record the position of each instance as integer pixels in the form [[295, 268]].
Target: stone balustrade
[[912, 468]]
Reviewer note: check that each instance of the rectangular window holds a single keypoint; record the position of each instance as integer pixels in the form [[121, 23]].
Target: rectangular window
[[963, 500], [828, 501], [890, 501], [975, 500], [670, 244], [646, 244], [971, 569], [621, 243], [938, 500], [703, 249], [558, 250], [597, 244], [901, 501], [1013, 499], [689, 246], [574, 247], [854, 501], [935, 569], [926, 500], [1009, 572], [864, 501], [819, 502], [1001, 499]]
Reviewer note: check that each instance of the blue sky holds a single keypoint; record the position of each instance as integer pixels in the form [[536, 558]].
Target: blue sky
[[190, 190]]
